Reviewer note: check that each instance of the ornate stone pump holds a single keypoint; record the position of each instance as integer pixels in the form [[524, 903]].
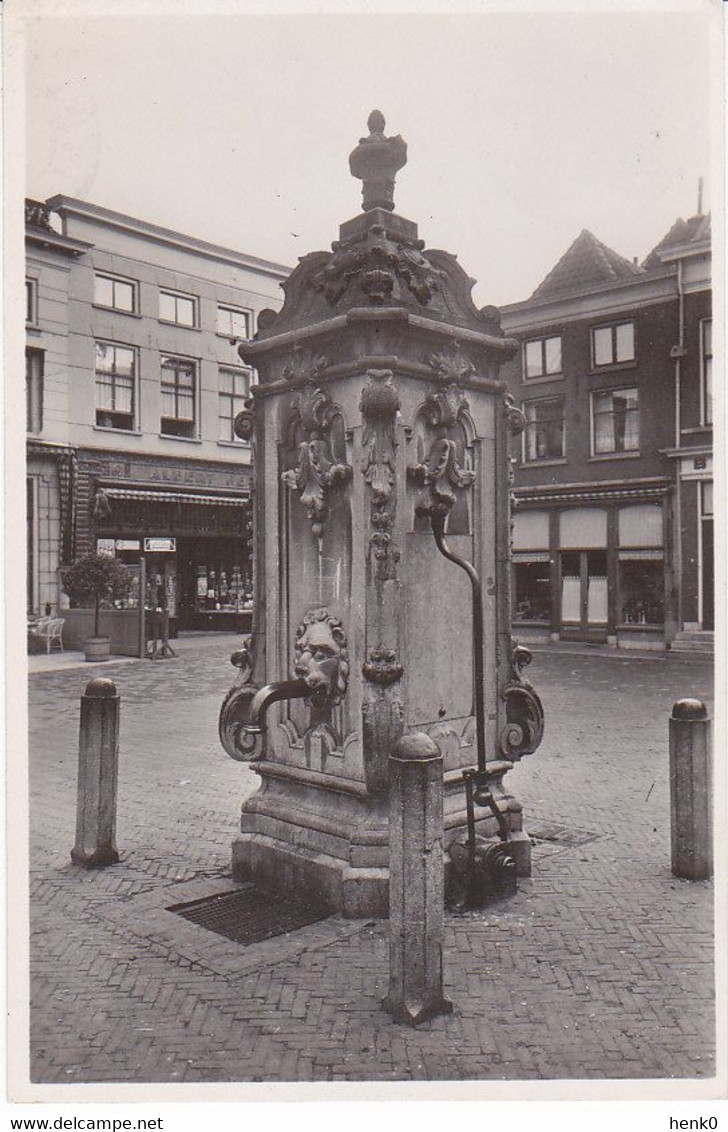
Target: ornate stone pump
[[380, 435]]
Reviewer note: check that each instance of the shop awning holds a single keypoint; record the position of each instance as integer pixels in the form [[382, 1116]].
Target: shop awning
[[143, 494]]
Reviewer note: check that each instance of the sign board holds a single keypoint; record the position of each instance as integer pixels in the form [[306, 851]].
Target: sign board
[[127, 544], [160, 545], [105, 546]]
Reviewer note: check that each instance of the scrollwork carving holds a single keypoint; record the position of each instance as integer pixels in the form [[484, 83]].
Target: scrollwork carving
[[444, 408], [320, 469], [236, 739], [441, 474], [244, 423], [524, 726], [514, 416]]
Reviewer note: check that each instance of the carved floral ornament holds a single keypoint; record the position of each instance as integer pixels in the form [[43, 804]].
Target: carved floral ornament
[[375, 263], [379, 406], [321, 461], [451, 366], [382, 667], [441, 474]]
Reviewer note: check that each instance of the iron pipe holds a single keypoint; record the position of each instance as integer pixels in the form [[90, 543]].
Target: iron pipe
[[271, 694], [438, 529]]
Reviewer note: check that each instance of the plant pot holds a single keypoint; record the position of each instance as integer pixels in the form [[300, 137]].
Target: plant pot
[[97, 649]]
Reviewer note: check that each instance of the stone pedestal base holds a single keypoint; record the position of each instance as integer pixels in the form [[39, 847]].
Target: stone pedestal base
[[302, 834], [352, 893]]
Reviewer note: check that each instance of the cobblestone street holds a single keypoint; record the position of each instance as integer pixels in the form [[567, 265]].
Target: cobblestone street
[[600, 967]]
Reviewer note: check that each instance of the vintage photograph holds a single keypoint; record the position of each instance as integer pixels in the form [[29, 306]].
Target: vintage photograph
[[368, 555]]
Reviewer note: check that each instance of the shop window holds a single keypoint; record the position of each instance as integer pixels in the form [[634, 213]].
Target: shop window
[[706, 499], [179, 397], [233, 322], [543, 356], [31, 301], [531, 530], [115, 386], [640, 524], [117, 294], [706, 362], [544, 434], [177, 308], [641, 580], [612, 345], [532, 590], [34, 391], [583, 526], [234, 390], [615, 421], [223, 585]]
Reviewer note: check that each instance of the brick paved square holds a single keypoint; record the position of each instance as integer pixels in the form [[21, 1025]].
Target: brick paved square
[[600, 967]]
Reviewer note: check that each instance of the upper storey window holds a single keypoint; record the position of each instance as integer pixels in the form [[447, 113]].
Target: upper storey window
[[233, 322], [615, 421], [706, 359], [179, 397], [115, 386], [612, 345], [544, 433], [117, 294], [543, 357], [178, 308], [31, 301]]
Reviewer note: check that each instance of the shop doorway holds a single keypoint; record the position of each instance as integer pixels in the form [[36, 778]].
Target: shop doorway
[[584, 595]]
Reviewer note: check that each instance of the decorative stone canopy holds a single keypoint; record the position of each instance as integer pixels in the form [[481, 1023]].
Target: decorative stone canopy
[[379, 261]]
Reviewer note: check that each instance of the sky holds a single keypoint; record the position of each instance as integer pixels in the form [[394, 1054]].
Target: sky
[[522, 128]]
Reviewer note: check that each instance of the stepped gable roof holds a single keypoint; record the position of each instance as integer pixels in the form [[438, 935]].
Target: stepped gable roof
[[682, 232], [587, 263]]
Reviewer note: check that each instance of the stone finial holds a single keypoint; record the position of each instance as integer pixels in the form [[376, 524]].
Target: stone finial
[[375, 161]]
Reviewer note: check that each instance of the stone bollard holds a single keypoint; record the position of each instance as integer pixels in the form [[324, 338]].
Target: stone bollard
[[691, 823], [98, 756], [416, 881]]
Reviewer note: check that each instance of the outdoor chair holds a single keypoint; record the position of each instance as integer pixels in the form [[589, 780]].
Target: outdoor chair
[[47, 631]]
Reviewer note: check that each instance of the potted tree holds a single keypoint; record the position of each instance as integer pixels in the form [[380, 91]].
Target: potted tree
[[89, 580]]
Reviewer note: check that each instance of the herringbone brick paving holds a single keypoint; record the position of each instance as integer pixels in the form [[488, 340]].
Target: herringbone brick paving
[[600, 966]]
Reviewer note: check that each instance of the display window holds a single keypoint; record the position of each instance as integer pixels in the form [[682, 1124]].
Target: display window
[[532, 597], [223, 585], [641, 566], [641, 588]]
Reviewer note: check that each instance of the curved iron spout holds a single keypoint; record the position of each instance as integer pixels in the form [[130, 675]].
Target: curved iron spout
[[318, 686], [271, 694], [438, 529]]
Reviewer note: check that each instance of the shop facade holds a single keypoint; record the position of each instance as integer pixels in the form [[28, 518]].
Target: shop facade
[[133, 383], [190, 526], [591, 565], [613, 518]]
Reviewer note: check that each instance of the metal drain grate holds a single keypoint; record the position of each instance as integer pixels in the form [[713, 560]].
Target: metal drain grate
[[560, 835], [251, 914]]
